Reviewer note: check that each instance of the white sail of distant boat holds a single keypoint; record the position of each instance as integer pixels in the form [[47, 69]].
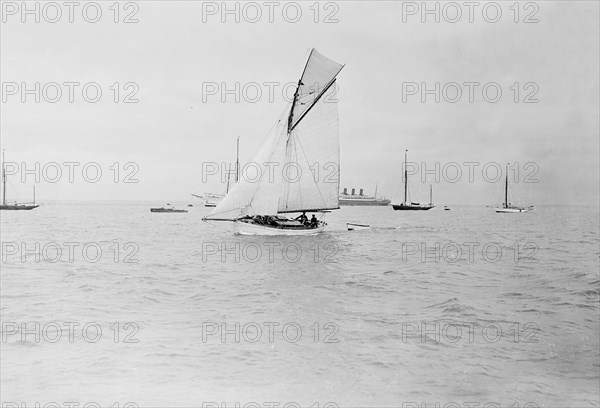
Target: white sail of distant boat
[[307, 134], [507, 206], [212, 199]]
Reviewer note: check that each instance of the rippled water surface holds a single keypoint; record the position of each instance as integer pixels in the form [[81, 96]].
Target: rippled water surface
[[439, 306]]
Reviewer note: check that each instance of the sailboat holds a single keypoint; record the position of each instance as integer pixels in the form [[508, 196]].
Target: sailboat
[[406, 206], [15, 205], [307, 133], [509, 207], [212, 199]]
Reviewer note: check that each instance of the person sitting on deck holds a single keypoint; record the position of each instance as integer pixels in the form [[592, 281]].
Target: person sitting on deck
[[314, 223], [302, 218]]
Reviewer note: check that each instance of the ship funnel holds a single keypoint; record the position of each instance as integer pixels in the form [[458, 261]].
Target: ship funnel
[[353, 191], [361, 191], [345, 191]]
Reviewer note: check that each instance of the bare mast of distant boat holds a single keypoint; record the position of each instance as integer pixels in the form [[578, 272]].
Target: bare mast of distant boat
[[509, 208], [15, 206], [406, 206]]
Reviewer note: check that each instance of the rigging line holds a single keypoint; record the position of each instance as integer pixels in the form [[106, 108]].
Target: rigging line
[[215, 224], [317, 184], [288, 156], [296, 144]]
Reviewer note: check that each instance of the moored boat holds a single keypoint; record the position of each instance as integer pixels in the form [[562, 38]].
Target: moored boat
[[352, 226], [507, 207], [14, 206], [412, 206], [167, 210]]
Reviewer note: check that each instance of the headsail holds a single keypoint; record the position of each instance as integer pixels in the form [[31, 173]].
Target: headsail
[[244, 198]]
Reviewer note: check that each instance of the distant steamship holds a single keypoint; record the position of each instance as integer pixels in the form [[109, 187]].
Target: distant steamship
[[361, 199]]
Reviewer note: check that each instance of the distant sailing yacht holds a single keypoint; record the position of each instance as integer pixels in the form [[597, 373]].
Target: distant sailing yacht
[[306, 133], [509, 207], [212, 199], [15, 205], [406, 206]]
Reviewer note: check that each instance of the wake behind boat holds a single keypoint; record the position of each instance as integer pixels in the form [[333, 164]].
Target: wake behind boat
[[307, 133]]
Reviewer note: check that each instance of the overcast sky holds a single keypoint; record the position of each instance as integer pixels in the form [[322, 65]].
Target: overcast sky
[[177, 50]]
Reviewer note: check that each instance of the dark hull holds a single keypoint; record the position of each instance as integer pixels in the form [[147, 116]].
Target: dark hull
[[18, 207], [166, 210], [402, 207], [362, 201]]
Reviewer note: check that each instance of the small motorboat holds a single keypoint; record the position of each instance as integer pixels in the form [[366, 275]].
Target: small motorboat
[[446, 208], [357, 227], [167, 210]]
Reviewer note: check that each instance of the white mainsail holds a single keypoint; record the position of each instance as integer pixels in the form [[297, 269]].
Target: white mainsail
[[313, 154], [297, 166]]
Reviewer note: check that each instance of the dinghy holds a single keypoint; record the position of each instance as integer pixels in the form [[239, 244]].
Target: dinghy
[[354, 227]]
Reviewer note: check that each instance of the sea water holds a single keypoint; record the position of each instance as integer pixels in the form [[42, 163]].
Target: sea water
[[107, 303]]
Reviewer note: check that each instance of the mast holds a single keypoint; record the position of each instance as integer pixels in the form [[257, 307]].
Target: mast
[[34, 194], [376, 185], [237, 163], [430, 194], [405, 177], [506, 189], [291, 117], [229, 175], [3, 180]]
